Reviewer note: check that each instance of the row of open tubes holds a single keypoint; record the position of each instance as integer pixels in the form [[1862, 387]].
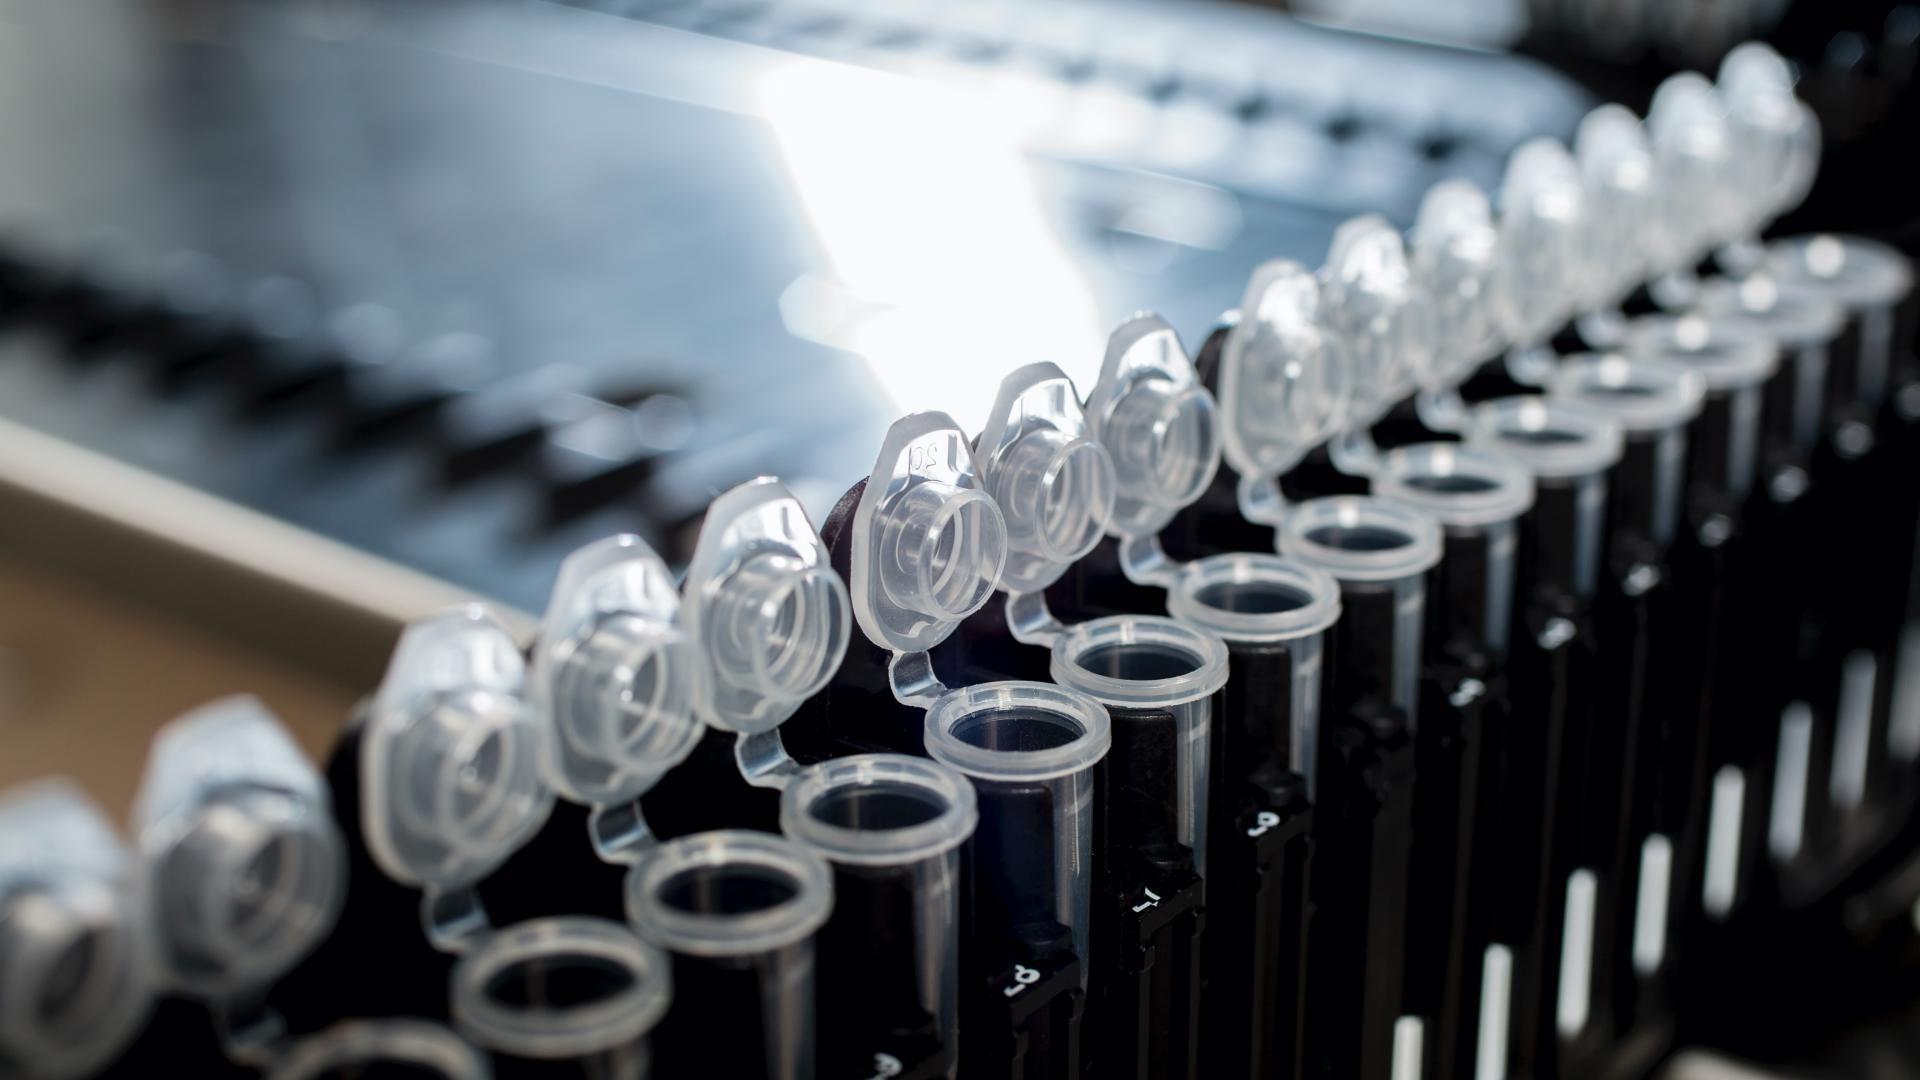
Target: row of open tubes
[[239, 867]]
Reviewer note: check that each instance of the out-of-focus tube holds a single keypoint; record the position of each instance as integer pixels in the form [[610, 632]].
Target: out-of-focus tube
[[1570, 451], [1380, 553], [1029, 749], [412, 1048], [1734, 361], [738, 912], [560, 997], [1478, 499], [1157, 677], [1804, 325], [1874, 283], [74, 954], [1653, 402], [1274, 614], [891, 827]]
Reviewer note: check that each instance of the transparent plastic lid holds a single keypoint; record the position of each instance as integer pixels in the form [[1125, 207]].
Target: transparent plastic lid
[[928, 541], [1540, 270], [1776, 137], [1361, 538], [1255, 598], [1727, 354], [1617, 169], [369, 1048], [1370, 299], [1849, 270], [615, 676], [1793, 317], [1698, 180], [878, 809], [764, 604], [1454, 245], [1053, 482], [1284, 383], [75, 960], [732, 892], [1189, 663], [449, 755], [244, 864], [500, 991], [1550, 439], [1157, 422], [1014, 731], [1456, 485], [1641, 394]]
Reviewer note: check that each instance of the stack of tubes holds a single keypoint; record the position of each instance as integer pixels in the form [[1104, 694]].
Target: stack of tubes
[[1449, 670]]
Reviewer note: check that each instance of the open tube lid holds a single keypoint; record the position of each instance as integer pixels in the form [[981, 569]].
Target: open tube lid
[[449, 753], [68, 889], [1156, 421], [929, 544], [1371, 300], [614, 677], [765, 606], [1454, 244], [1054, 483], [1284, 382]]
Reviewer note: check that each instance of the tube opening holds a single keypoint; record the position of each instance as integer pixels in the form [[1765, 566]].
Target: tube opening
[[878, 809], [1138, 662], [559, 988], [559, 980], [876, 806], [1359, 537], [1018, 730], [740, 889], [732, 892], [1451, 483], [1253, 597]]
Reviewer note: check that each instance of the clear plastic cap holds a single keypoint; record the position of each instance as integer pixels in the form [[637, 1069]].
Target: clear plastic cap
[[764, 604], [1623, 202], [1727, 354], [928, 541], [498, 1000], [1639, 393], [412, 1048], [1456, 485], [615, 677], [449, 756], [1157, 421], [1554, 440], [731, 892], [879, 809], [1699, 185], [74, 956], [1776, 137], [1454, 245], [1054, 484], [1370, 298], [1361, 538], [1540, 271], [244, 865], [1284, 383], [1852, 271], [1795, 318]]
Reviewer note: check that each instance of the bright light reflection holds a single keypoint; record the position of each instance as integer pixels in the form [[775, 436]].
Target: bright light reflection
[[947, 274]]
